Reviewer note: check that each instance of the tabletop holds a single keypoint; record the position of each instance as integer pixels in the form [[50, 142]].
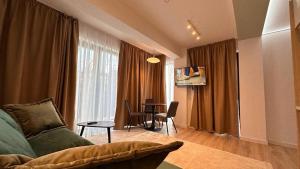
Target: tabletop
[[103, 124], [154, 104]]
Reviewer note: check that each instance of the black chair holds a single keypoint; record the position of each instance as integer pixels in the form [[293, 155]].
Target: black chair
[[134, 114], [169, 115], [149, 108]]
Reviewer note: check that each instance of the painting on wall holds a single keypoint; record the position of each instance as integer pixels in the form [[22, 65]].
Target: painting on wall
[[194, 76]]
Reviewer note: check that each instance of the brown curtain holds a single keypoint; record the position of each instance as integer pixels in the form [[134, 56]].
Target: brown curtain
[[137, 80], [215, 106], [38, 51]]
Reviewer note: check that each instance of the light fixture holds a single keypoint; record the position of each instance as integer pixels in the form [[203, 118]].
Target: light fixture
[[194, 30], [153, 59]]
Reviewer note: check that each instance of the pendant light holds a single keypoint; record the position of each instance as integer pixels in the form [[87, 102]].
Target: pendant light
[[153, 59]]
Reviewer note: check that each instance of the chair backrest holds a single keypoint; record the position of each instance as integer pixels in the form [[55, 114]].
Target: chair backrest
[[172, 109], [148, 108], [128, 106]]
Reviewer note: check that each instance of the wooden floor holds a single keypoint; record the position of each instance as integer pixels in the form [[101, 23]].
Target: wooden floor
[[280, 157]]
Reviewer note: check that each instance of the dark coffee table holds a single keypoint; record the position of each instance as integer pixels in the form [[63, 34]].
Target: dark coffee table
[[99, 124]]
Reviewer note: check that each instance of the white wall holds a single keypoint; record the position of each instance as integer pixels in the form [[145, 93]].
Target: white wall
[[180, 94], [279, 89], [252, 98]]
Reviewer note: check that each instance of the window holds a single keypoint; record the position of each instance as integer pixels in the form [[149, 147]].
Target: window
[[97, 73], [169, 81]]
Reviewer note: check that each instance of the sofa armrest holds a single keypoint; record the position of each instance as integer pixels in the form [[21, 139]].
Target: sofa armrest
[[125, 155]]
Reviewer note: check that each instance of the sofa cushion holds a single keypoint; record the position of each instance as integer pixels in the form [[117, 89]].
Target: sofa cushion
[[11, 160], [35, 117], [56, 139], [9, 120], [12, 140], [125, 155]]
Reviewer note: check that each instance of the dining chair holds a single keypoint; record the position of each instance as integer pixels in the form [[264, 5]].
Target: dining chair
[[134, 114], [149, 108], [169, 115]]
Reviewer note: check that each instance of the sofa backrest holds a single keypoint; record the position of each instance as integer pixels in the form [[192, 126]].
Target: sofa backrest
[[12, 140]]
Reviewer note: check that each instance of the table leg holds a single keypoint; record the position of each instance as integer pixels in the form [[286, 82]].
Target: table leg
[[153, 121], [108, 133], [82, 129], [152, 127]]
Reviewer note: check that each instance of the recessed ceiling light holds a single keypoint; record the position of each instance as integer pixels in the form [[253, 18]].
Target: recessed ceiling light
[[194, 33], [198, 38], [188, 26]]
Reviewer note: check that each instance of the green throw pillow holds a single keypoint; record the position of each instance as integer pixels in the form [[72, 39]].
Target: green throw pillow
[[35, 117], [56, 139], [12, 140]]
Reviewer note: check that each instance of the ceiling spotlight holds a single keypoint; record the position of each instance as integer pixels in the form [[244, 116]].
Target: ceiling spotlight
[[193, 29]]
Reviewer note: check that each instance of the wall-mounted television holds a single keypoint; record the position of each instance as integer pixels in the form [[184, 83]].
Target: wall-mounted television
[[190, 76]]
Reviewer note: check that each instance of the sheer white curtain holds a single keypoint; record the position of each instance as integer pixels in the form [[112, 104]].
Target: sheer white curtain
[[97, 73], [169, 81]]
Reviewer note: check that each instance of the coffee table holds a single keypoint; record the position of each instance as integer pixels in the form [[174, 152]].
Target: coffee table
[[99, 124]]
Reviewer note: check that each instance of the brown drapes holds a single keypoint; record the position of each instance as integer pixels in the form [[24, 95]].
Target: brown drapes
[[215, 106], [137, 80], [38, 51]]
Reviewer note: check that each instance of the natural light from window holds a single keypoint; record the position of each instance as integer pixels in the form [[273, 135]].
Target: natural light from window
[[169, 81]]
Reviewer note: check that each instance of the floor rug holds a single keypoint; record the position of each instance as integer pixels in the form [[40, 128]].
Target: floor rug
[[191, 155]]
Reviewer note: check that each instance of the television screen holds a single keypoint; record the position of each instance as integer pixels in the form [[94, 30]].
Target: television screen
[[194, 75]]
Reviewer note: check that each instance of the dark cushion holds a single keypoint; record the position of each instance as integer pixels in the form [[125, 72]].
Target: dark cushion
[[57, 139], [35, 117], [12, 140], [125, 155]]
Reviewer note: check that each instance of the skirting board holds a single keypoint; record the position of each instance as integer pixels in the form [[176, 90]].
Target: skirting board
[[265, 142], [289, 145]]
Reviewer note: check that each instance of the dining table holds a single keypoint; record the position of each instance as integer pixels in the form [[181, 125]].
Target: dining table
[[152, 127]]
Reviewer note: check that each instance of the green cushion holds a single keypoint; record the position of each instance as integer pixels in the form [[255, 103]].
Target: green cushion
[[35, 117], [166, 165], [8, 119], [56, 139], [12, 140]]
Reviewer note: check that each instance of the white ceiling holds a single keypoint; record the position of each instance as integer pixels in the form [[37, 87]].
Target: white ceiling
[[159, 26], [214, 19], [114, 18], [154, 25], [277, 16]]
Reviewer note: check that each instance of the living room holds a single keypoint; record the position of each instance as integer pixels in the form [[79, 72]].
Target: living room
[[149, 84]]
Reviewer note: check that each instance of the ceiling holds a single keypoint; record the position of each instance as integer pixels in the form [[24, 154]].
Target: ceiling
[[159, 26], [214, 19], [250, 17], [277, 16]]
